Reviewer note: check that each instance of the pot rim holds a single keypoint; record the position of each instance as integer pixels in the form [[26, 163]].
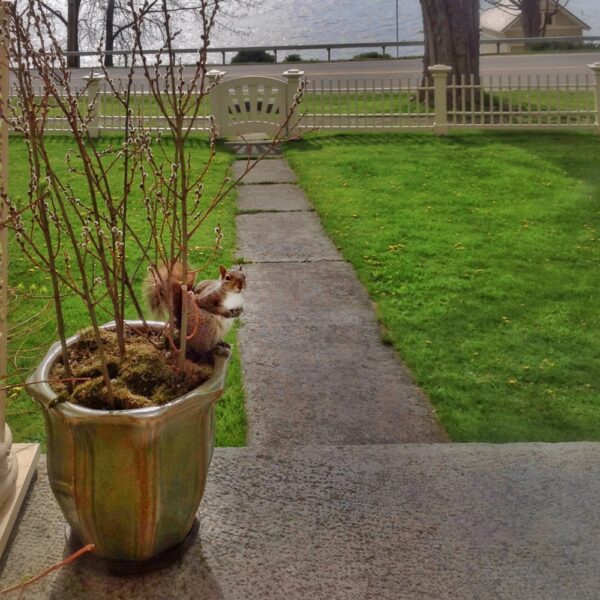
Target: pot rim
[[37, 383]]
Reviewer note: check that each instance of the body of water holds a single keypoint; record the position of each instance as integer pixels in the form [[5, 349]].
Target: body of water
[[280, 22]]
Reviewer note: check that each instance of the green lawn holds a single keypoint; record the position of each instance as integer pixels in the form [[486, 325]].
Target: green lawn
[[37, 326], [361, 102], [482, 253], [565, 99]]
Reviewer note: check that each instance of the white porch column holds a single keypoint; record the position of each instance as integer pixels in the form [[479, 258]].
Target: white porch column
[[440, 101], [18, 462], [595, 67], [93, 96], [218, 108], [293, 77], [8, 466]]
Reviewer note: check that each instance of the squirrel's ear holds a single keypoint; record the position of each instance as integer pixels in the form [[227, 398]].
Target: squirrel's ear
[[222, 270], [240, 267]]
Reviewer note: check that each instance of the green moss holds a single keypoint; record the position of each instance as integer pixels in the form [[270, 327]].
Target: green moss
[[92, 394], [147, 376]]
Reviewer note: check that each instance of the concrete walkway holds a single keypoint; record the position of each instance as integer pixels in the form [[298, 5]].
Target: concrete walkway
[[315, 370]]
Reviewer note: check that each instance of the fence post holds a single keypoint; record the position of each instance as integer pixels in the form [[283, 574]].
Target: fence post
[[293, 81], [218, 111], [595, 67], [440, 98], [93, 94]]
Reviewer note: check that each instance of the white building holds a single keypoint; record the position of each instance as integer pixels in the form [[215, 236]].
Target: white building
[[504, 23]]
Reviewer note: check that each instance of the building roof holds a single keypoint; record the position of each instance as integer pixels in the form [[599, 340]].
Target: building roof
[[500, 18]]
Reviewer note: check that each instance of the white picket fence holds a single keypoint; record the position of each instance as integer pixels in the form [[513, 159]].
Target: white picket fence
[[443, 102]]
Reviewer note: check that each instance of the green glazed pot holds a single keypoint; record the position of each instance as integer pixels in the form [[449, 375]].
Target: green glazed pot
[[129, 481]]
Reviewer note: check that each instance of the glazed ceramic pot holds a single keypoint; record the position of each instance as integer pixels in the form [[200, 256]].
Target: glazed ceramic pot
[[129, 481]]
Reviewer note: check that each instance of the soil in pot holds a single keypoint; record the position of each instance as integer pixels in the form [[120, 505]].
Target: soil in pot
[[147, 377]]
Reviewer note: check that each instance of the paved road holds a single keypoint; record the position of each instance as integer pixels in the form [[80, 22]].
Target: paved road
[[544, 65]]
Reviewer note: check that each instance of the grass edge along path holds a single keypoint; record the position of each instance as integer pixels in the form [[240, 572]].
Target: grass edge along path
[[481, 252], [23, 415]]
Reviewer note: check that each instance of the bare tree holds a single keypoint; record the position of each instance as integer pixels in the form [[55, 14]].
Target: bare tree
[[73, 7], [71, 23], [119, 22], [108, 24]]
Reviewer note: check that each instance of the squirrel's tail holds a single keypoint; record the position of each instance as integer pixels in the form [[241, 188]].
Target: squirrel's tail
[[162, 288]]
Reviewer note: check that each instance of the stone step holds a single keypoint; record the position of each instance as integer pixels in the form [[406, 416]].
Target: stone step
[[253, 148], [315, 370], [276, 170], [276, 197], [283, 237], [434, 522]]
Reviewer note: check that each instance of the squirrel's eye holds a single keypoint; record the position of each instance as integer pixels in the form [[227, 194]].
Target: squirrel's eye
[[227, 277]]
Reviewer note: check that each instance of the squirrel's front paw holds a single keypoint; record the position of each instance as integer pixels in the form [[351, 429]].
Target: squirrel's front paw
[[222, 349]]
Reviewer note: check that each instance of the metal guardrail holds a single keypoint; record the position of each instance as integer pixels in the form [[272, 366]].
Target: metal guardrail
[[329, 47]]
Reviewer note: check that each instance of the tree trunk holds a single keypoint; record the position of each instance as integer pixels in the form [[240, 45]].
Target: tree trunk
[[109, 35], [451, 29], [531, 17], [73, 32]]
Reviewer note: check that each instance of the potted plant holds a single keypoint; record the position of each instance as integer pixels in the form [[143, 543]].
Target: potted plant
[[128, 405]]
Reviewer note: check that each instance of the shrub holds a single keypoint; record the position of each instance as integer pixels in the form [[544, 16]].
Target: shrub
[[545, 46], [550, 46], [252, 56], [82, 240], [371, 56], [292, 58]]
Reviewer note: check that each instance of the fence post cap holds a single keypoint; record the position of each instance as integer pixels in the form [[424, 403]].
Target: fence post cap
[[595, 67], [439, 69], [215, 75], [94, 76], [293, 73]]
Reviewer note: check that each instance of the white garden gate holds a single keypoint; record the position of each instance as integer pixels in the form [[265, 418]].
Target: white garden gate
[[253, 105]]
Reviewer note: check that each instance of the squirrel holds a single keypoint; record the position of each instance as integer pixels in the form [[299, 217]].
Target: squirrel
[[212, 304]]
